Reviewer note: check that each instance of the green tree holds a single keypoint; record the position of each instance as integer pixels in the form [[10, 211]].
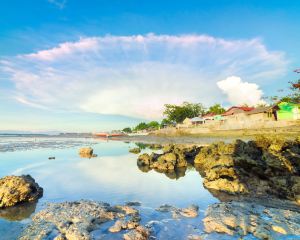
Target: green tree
[[127, 130], [141, 126], [153, 125], [177, 113], [165, 122], [216, 109]]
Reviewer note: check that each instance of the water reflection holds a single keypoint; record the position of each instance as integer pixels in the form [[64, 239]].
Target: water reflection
[[19, 212]]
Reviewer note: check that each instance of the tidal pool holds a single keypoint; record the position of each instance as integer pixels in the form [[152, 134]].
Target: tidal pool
[[112, 176]]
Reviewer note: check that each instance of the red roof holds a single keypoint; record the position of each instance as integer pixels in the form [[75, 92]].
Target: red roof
[[236, 109]]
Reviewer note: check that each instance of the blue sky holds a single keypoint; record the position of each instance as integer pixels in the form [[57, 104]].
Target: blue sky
[[92, 65]]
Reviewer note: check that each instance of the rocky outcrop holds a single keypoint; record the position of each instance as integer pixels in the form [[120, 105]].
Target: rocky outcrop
[[77, 220], [173, 157], [86, 152], [243, 218], [263, 167], [135, 150], [18, 189]]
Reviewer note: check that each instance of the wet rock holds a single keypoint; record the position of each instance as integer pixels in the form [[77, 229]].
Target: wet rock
[[76, 220], [133, 203], [258, 168], [135, 150], [86, 152], [165, 161], [18, 189], [189, 212], [140, 233], [242, 218], [144, 160]]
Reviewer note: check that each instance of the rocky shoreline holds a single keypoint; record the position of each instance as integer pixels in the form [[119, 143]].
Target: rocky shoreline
[[257, 183]]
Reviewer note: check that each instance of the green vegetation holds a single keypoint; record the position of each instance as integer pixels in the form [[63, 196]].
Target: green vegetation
[[216, 109], [127, 130], [177, 113]]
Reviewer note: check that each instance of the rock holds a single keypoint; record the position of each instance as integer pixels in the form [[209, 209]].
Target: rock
[[117, 227], [135, 150], [165, 161], [144, 160], [257, 168], [86, 152], [51, 158], [140, 233], [18, 189], [244, 218], [77, 220], [189, 212], [133, 203]]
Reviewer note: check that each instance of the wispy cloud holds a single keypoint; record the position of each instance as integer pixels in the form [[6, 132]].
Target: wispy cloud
[[58, 3], [136, 75]]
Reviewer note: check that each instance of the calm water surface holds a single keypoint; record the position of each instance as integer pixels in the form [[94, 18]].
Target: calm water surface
[[112, 177]]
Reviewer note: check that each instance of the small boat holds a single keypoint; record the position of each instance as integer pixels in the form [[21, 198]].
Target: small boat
[[108, 135]]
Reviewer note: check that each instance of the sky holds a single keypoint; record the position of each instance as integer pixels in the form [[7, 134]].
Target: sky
[[93, 65]]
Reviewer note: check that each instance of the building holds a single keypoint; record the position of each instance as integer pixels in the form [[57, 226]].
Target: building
[[263, 113], [288, 111], [197, 121]]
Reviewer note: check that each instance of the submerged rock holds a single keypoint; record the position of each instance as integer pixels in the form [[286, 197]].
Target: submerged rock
[[86, 152], [140, 233], [77, 220], [243, 218], [189, 212], [18, 189]]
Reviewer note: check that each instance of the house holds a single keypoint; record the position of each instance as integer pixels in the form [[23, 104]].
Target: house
[[288, 111], [197, 120], [235, 110], [263, 113]]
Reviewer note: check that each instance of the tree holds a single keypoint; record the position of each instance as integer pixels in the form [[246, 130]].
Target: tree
[[141, 126], [127, 130], [177, 113], [216, 109], [153, 125]]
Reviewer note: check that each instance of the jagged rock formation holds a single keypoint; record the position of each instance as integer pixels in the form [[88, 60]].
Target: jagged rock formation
[[18, 189], [258, 168]]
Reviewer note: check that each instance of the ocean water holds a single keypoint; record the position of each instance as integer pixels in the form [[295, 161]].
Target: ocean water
[[112, 176]]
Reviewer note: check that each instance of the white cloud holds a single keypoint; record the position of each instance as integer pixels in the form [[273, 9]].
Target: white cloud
[[239, 92], [58, 3], [136, 75]]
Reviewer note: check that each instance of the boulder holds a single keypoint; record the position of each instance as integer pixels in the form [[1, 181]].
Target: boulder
[[86, 152], [257, 168], [18, 189]]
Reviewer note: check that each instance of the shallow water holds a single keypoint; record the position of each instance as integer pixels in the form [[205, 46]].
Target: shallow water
[[112, 177]]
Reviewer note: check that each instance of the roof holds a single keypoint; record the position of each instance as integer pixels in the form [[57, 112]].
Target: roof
[[197, 119], [236, 109], [259, 110]]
